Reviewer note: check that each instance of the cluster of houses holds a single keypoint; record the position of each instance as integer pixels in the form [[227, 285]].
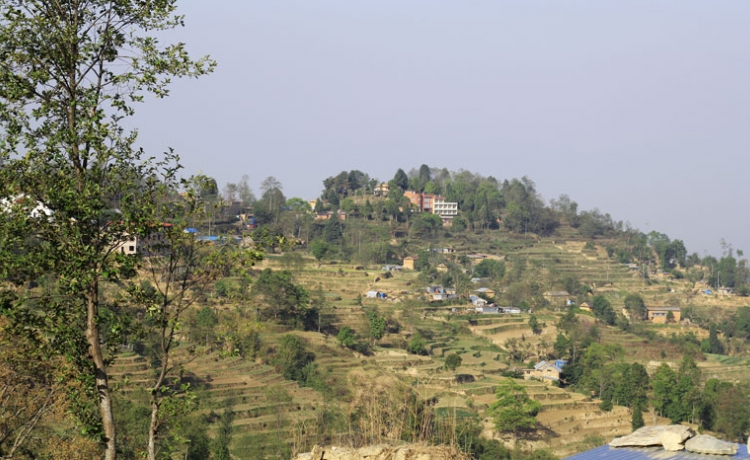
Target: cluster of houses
[[493, 309], [657, 315], [156, 243], [439, 293], [425, 202], [434, 204]]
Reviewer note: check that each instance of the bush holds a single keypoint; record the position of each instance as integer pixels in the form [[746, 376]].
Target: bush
[[221, 288], [346, 337], [452, 362], [292, 358], [417, 345]]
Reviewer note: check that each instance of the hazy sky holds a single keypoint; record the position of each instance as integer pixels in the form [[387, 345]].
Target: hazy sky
[[639, 108]]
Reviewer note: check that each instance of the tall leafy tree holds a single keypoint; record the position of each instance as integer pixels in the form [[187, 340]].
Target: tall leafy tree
[[635, 305], [285, 301], [292, 358], [662, 382], [603, 309], [377, 326], [425, 176], [70, 74], [712, 344], [686, 392], [514, 410], [268, 207], [244, 192], [535, 325], [333, 231], [319, 249], [401, 180], [637, 419]]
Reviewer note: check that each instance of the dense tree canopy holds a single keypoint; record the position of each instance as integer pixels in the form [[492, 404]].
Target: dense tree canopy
[[285, 301], [490, 268]]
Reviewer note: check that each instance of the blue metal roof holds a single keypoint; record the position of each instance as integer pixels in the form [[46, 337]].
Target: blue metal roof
[[649, 453]]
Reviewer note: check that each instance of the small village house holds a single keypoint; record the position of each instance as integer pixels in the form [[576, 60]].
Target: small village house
[[154, 244], [545, 370], [477, 301], [409, 262], [381, 189], [438, 293], [661, 315], [557, 298], [329, 214], [485, 291]]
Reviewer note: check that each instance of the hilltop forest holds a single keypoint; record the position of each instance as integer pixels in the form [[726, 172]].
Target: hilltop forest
[[144, 314], [511, 208]]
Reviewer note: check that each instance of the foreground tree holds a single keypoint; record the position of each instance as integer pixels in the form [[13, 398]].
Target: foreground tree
[[72, 186], [174, 279]]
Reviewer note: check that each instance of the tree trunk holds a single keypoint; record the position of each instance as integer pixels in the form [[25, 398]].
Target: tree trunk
[[102, 383], [153, 427]]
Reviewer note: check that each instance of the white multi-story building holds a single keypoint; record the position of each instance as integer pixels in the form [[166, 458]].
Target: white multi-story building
[[445, 209]]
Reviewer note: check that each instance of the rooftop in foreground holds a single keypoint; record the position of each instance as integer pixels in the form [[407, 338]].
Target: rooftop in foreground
[[649, 453]]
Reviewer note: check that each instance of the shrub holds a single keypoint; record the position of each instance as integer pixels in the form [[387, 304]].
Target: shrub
[[452, 362], [417, 345]]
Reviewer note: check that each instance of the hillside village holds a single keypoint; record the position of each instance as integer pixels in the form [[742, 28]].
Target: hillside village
[[425, 330], [150, 312]]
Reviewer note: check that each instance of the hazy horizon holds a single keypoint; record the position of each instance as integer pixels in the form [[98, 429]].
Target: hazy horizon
[[637, 108]]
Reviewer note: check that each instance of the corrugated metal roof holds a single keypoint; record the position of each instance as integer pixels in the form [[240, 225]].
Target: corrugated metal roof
[[651, 453]]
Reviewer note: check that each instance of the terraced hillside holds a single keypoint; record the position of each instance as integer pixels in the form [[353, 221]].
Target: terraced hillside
[[264, 402], [240, 384]]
